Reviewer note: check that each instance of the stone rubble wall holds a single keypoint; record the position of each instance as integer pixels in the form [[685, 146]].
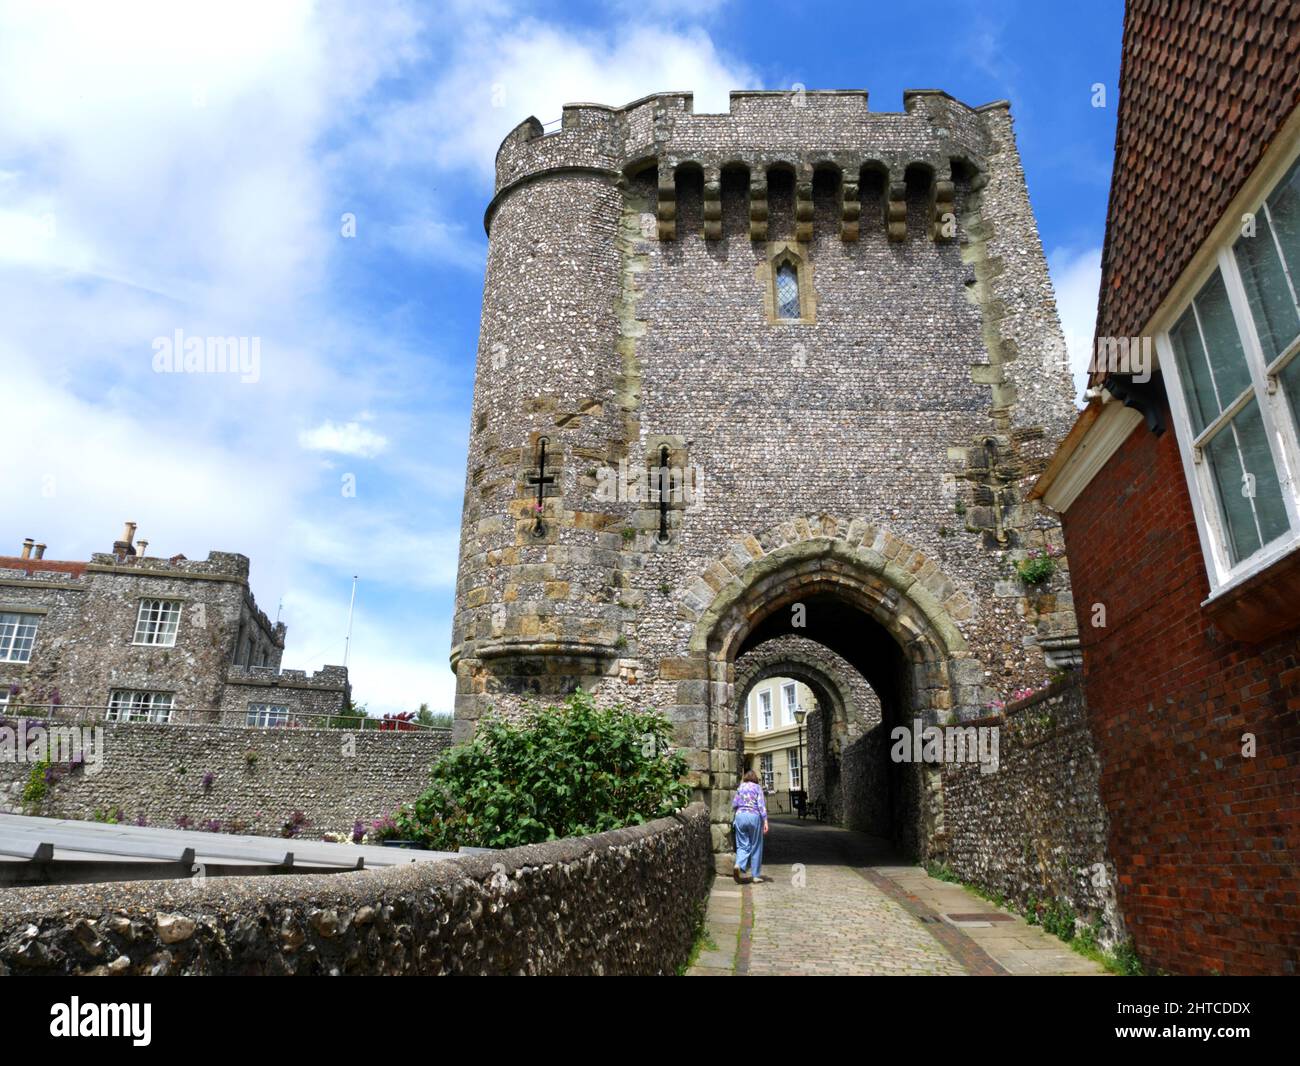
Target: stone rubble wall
[[313, 696], [85, 649], [623, 902], [335, 777], [1036, 827], [865, 797]]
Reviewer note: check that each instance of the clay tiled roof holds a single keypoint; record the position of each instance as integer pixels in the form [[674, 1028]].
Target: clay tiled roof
[[1204, 87], [50, 566]]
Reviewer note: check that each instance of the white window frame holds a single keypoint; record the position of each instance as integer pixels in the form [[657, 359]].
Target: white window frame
[[1278, 420], [766, 771], [764, 698], [34, 624], [152, 628], [789, 705], [795, 766], [267, 715], [140, 705]]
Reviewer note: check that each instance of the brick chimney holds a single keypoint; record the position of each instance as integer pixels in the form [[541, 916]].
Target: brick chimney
[[124, 548], [27, 548], [40, 552]]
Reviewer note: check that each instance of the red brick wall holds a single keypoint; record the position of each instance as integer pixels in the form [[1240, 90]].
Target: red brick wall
[[1206, 843]]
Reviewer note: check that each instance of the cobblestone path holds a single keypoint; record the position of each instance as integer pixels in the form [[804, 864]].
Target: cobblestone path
[[838, 902]]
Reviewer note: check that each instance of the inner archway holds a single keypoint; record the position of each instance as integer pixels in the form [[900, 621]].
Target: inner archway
[[830, 618], [842, 741]]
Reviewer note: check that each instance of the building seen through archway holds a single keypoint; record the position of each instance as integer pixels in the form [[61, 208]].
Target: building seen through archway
[[774, 720]]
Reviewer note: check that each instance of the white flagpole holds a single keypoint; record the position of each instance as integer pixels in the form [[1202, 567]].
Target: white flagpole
[[347, 644]]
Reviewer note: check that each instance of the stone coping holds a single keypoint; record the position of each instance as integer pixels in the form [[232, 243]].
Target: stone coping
[[261, 923], [218, 894]]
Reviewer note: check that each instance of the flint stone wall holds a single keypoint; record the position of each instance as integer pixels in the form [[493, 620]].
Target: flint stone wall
[[905, 414], [623, 902], [1036, 827], [260, 776], [226, 655]]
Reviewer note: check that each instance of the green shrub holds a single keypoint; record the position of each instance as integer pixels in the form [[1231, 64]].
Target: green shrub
[[1036, 569], [1127, 961], [941, 871], [433, 719], [1055, 916], [353, 716], [38, 784], [561, 771]]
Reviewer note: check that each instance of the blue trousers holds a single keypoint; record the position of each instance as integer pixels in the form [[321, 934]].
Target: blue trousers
[[748, 828]]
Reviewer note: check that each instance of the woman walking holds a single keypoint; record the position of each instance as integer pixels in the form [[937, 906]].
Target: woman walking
[[749, 824]]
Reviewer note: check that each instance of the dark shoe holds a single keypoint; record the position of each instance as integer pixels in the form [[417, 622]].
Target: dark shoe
[[735, 872]]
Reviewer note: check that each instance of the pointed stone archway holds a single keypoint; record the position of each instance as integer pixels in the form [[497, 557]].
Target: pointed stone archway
[[842, 738], [867, 594]]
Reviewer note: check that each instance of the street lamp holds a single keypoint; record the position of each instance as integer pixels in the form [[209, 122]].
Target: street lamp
[[799, 715]]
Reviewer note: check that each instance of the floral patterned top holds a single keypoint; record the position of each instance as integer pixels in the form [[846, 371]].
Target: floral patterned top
[[749, 797]]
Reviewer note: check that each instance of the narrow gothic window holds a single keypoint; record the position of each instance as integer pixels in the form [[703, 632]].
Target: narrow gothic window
[[787, 291]]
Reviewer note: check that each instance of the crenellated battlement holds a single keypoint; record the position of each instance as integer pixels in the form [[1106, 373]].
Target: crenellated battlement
[[327, 677], [229, 565], [826, 137]]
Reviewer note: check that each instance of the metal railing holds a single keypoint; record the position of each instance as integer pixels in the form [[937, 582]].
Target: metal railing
[[208, 716]]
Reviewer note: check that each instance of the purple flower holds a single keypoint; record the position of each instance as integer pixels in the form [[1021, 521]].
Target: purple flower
[[358, 832], [293, 825]]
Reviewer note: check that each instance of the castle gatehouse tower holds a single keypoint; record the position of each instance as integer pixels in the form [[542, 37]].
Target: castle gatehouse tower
[[782, 372]]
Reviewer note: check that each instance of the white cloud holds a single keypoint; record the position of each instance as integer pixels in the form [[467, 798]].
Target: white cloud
[[499, 73], [422, 236], [374, 540], [398, 658], [167, 166], [349, 438], [1076, 276]]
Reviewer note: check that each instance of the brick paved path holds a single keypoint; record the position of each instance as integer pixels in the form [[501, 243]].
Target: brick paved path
[[838, 902]]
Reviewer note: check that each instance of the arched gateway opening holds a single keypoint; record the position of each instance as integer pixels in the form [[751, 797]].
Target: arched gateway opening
[[872, 600], [840, 743]]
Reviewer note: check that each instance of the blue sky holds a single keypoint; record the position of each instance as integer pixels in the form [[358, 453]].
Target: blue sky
[[173, 167]]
